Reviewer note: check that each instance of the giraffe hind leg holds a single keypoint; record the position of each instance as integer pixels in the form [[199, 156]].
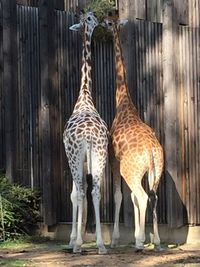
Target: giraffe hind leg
[[139, 198], [115, 167], [97, 174], [96, 196], [153, 200], [78, 202], [73, 235], [155, 239], [79, 240]]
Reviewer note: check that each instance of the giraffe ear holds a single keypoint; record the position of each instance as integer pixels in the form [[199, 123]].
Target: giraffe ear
[[122, 22], [75, 27]]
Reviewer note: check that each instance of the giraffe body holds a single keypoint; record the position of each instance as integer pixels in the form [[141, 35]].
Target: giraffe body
[[134, 150], [86, 139]]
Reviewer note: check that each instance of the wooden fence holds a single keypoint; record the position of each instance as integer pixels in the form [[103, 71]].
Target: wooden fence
[[39, 84]]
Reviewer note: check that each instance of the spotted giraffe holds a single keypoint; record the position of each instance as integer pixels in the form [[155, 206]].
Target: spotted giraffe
[[134, 150], [86, 140]]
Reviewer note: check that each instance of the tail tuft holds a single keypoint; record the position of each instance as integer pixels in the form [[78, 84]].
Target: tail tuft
[[90, 224]]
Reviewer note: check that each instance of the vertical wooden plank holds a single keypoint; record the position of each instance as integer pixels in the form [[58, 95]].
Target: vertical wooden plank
[[162, 186], [59, 4], [148, 73], [194, 17], [33, 102], [141, 41], [151, 9], [154, 10], [195, 78], [197, 57], [173, 183], [159, 18], [58, 24], [46, 27], [63, 58], [182, 123], [10, 82], [140, 9], [144, 71], [124, 9], [186, 81], [191, 118], [18, 147], [26, 92], [22, 2], [182, 11], [2, 121], [54, 112]]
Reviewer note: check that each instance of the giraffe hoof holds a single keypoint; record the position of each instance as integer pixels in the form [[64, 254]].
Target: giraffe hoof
[[158, 248], [114, 243], [102, 250], [71, 244], [139, 248], [77, 249], [69, 248]]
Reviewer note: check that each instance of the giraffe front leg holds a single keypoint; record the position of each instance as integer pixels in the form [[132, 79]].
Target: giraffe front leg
[[96, 196], [73, 235]]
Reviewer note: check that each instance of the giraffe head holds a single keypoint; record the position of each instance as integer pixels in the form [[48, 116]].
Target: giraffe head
[[87, 23], [112, 21]]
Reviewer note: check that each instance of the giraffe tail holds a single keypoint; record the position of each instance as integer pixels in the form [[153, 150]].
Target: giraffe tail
[[90, 222], [152, 183]]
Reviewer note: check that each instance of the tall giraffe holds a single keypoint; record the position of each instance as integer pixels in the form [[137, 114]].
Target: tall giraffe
[[86, 140], [134, 150]]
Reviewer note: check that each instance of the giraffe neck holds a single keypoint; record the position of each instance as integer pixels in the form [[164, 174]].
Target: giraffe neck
[[122, 93], [85, 98]]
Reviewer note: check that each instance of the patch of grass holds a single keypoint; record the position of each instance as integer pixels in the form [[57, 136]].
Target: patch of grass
[[31, 242], [13, 263], [15, 244]]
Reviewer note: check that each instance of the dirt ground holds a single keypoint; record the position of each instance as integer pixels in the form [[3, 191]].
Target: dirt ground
[[52, 256]]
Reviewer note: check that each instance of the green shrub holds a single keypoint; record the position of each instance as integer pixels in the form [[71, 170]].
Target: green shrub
[[19, 209], [101, 8]]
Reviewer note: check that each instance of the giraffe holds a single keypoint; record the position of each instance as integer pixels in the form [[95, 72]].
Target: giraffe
[[133, 151], [85, 139]]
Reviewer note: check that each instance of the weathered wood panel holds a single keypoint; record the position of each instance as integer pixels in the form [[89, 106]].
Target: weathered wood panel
[[182, 11], [9, 82], [28, 95], [2, 121], [173, 183], [187, 11], [47, 119], [48, 82], [189, 41], [194, 13], [68, 58], [143, 59]]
